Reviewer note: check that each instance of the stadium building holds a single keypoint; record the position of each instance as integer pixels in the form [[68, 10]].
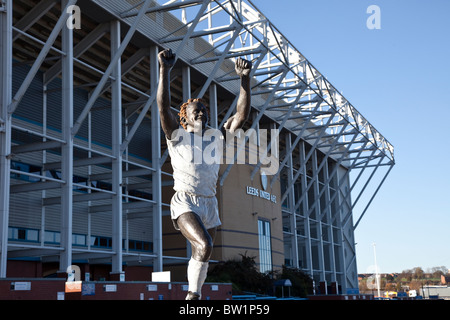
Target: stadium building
[[85, 173]]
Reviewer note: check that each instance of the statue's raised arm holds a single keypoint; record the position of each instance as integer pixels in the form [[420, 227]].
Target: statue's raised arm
[[243, 68], [169, 121]]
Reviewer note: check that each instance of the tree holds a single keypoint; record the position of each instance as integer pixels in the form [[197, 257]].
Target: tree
[[418, 273], [406, 275], [390, 287], [415, 285], [302, 284], [436, 272], [243, 275]]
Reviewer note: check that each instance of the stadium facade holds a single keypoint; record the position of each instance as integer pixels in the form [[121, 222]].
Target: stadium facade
[[85, 174]]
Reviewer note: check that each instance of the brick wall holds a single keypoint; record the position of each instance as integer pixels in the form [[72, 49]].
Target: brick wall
[[47, 289]]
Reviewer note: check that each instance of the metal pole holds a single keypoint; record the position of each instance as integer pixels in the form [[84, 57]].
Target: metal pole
[[341, 236], [67, 149], [213, 105], [186, 83], [377, 277], [315, 186], [5, 126], [329, 222], [156, 174], [116, 117], [186, 78], [304, 182], [291, 204], [44, 160]]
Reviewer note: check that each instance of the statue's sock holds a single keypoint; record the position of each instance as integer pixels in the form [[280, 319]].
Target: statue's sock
[[196, 272]]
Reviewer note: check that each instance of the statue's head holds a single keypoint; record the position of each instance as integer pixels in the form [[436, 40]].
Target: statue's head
[[193, 114]]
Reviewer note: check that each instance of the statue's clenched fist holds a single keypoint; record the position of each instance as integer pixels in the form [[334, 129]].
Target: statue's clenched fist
[[243, 67], [166, 58]]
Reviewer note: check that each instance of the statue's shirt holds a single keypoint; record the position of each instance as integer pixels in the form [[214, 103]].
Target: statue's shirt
[[196, 161]]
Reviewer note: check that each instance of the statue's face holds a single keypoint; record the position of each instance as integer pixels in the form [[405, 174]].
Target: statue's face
[[196, 116]]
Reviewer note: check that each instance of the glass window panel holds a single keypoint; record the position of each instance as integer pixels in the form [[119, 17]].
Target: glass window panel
[[265, 249]]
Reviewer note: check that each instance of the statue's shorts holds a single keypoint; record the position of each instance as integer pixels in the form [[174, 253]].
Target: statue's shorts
[[205, 207]]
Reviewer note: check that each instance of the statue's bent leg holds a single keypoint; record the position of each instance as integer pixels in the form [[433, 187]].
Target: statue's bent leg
[[202, 243], [195, 232]]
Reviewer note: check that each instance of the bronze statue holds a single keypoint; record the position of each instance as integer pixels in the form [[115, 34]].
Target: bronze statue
[[194, 209]]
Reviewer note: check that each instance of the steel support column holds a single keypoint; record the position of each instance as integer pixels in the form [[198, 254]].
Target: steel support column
[[186, 93], [291, 204], [186, 80], [328, 212], [67, 148], [213, 105], [315, 185], [6, 22], [156, 156], [116, 131], [304, 182]]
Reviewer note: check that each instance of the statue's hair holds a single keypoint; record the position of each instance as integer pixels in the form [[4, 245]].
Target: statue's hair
[[182, 114]]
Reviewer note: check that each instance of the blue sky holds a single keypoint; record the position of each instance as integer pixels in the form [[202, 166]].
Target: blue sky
[[398, 77]]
